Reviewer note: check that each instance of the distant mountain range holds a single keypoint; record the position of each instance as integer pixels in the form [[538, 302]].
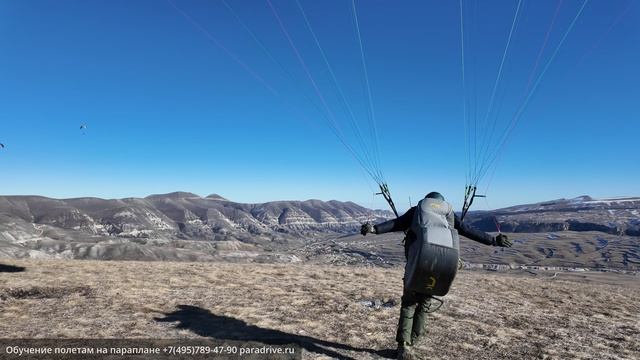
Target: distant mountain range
[[185, 226], [618, 216], [62, 226]]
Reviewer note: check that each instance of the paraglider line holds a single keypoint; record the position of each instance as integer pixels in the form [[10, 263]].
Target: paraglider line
[[368, 85], [517, 116], [464, 93], [615, 22], [486, 141], [224, 48], [284, 70], [361, 142]]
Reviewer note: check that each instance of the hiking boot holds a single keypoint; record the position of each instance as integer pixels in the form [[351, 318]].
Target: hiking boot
[[405, 351]]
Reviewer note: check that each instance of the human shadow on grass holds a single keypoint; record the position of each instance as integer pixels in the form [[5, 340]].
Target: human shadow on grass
[[205, 323], [11, 268]]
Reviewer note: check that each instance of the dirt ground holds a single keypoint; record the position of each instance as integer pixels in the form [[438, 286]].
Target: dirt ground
[[327, 310]]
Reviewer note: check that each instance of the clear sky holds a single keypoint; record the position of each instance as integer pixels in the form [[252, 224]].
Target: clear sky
[[180, 96]]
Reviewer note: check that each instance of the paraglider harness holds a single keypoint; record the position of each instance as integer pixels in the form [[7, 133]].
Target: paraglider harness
[[386, 194]]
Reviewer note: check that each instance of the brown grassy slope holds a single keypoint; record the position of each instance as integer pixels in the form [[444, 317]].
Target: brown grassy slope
[[486, 315]]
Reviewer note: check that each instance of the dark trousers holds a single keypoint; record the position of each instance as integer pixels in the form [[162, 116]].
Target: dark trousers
[[413, 316]]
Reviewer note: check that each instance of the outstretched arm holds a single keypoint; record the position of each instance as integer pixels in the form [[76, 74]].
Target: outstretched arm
[[401, 223], [473, 233]]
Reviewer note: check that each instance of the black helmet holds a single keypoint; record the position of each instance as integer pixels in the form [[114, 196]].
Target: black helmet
[[434, 195]]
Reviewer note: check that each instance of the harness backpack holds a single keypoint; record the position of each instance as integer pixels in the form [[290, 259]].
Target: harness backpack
[[432, 260]]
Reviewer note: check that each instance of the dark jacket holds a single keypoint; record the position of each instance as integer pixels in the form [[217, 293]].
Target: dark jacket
[[403, 223]]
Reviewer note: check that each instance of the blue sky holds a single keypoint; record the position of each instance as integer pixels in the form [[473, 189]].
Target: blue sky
[[185, 98]]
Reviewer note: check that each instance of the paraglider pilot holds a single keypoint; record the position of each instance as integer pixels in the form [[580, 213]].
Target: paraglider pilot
[[432, 252]]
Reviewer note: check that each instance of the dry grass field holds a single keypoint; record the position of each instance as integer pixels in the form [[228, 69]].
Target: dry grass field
[[485, 316]]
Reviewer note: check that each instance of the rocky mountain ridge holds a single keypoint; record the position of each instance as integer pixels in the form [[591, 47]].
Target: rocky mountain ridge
[[577, 233], [617, 216], [180, 215]]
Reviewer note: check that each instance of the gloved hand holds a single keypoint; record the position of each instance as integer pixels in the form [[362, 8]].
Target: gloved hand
[[367, 228], [502, 240]]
